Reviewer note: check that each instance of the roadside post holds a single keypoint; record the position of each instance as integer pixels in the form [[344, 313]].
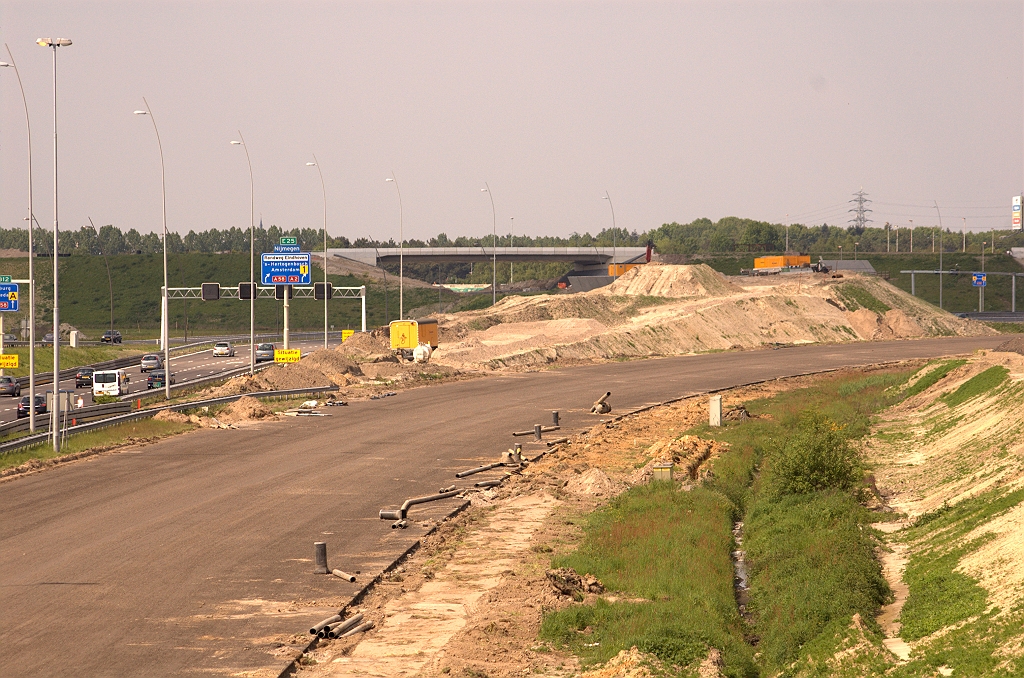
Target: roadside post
[[8, 303], [977, 280], [715, 413], [285, 266]]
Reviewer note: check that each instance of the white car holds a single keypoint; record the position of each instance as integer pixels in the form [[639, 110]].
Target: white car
[[223, 348]]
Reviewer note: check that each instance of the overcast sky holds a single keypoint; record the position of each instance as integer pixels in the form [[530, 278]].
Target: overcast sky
[[679, 109]]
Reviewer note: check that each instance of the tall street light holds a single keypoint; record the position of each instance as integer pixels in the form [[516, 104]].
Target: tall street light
[[494, 246], [401, 250], [54, 43], [164, 316], [511, 230], [936, 203], [252, 257], [615, 266], [31, 258], [316, 164]]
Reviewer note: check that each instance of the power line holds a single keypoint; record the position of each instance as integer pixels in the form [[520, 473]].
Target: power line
[[861, 210]]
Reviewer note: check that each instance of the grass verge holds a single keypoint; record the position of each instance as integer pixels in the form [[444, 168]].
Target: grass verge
[[671, 549], [976, 385], [142, 431]]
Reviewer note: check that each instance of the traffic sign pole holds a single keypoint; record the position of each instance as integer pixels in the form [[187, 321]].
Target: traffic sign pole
[[286, 295]]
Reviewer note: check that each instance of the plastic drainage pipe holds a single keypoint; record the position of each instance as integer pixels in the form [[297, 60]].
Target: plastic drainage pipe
[[401, 513], [488, 483], [344, 575], [338, 629], [319, 627], [359, 629], [479, 469]]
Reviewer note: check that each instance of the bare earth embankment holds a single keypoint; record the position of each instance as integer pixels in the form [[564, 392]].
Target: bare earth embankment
[[661, 309]]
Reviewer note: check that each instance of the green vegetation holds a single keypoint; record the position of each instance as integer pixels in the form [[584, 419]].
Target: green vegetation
[[136, 431], [69, 357], [136, 281], [793, 476], [976, 385], [857, 297], [932, 377], [672, 549], [940, 596]]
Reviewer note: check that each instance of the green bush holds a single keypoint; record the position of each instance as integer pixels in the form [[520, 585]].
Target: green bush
[[818, 456], [104, 399]]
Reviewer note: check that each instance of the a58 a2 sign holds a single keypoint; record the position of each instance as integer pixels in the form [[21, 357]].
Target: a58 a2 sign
[[8, 296]]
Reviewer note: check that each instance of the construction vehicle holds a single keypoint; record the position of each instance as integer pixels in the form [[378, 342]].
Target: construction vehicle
[[406, 335]]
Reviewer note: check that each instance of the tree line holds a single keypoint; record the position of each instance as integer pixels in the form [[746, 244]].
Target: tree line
[[701, 236]]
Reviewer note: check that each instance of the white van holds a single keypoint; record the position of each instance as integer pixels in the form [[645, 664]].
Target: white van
[[110, 383]]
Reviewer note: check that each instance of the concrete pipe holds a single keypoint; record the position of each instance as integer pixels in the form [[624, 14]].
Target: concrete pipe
[[320, 557], [344, 626], [537, 432], [390, 515], [400, 525], [554, 417], [488, 483], [344, 575], [359, 629], [446, 489], [479, 469], [330, 620]]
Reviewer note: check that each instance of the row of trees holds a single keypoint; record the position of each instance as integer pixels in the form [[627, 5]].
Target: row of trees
[[701, 236]]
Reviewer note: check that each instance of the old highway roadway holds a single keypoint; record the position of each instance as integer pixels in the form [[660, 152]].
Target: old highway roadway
[[182, 557]]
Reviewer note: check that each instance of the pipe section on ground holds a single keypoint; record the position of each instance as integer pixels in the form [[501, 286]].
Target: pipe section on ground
[[319, 627], [359, 629], [402, 512], [344, 626]]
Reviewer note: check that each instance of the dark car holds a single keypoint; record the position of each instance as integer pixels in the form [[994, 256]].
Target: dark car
[[10, 386], [264, 352], [111, 337], [83, 378], [23, 406], [156, 379]]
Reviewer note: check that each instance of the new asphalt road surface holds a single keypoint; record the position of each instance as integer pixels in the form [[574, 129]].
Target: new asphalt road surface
[[194, 555], [183, 368]]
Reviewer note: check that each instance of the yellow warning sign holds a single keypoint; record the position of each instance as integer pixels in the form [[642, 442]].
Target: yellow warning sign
[[13, 296], [345, 334], [290, 355], [304, 269], [9, 361]]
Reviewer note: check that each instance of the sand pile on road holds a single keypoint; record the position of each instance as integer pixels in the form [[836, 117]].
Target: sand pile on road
[[707, 313], [335, 366], [171, 415], [593, 482], [245, 408], [666, 280], [365, 347], [1015, 345]]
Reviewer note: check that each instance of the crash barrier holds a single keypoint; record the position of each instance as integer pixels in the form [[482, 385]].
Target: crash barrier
[[28, 441], [43, 420]]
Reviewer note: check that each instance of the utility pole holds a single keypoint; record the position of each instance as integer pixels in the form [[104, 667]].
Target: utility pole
[[965, 234], [936, 203]]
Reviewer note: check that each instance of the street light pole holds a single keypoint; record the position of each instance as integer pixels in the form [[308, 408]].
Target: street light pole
[[54, 43], [323, 187], [494, 246], [165, 316], [401, 250], [936, 203], [252, 257], [31, 261], [511, 230], [615, 265]]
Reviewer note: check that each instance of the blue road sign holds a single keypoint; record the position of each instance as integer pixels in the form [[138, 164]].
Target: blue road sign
[[285, 269], [287, 249], [978, 279], [9, 297]]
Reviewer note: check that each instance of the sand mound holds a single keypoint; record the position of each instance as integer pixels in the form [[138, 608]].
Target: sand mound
[[333, 364], [245, 408], [593, 482], [1015, 345], [170, 415], [629, 663], [667, 280], [364, 346]]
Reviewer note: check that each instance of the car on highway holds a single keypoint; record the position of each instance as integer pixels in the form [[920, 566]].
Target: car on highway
[[111, 337], [48, 339], [223, 348], [23, 406], [10, 386], [156, 379], [83, 377], [9, 338], [151, 361], [264, 352], [109, 383]]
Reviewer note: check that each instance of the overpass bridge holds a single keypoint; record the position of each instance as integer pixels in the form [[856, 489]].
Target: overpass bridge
[[582, 258]]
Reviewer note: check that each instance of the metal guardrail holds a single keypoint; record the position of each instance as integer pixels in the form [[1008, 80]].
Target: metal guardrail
[[29, 441]]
